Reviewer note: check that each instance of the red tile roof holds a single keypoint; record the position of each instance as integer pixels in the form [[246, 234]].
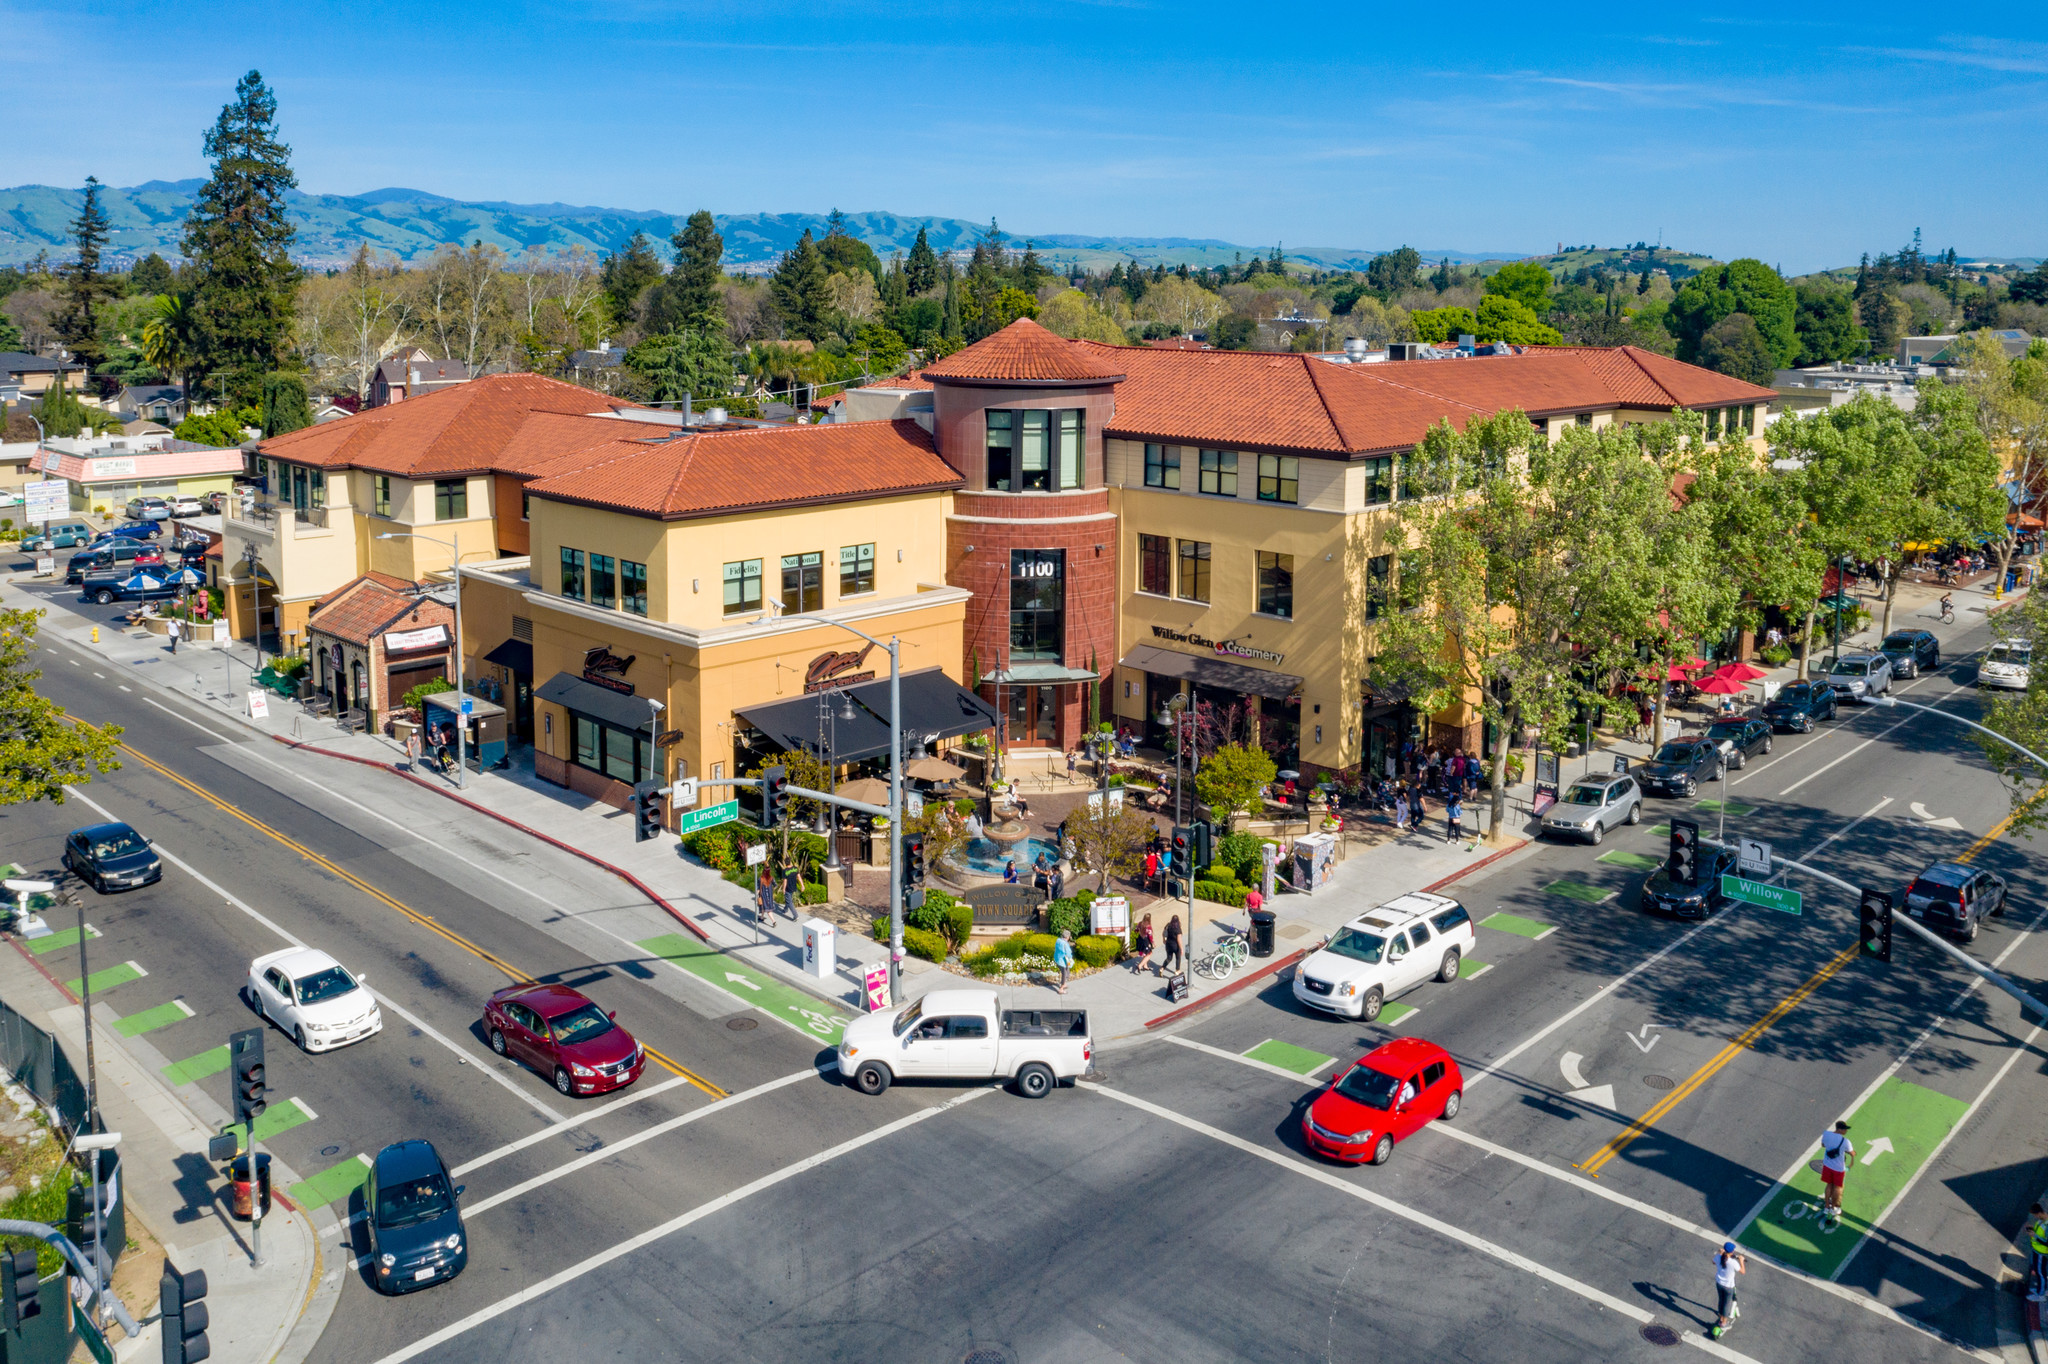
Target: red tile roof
[[362, 609], [719, 472], [1026, 353], [913, 380]]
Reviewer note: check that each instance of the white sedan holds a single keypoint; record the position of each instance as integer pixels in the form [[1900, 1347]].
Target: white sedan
[[313, 997]]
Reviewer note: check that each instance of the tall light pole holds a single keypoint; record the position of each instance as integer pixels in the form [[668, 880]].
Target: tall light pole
[[454, 543]]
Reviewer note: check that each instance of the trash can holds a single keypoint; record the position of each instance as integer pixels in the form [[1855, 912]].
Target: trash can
[[243, 1196], [1262, 932]]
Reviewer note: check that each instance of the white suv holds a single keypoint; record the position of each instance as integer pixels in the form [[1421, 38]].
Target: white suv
[[1383, 953], [2008, 665]]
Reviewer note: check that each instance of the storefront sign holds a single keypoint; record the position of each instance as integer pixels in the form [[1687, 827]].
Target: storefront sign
[[830, 670], [112, 468], [259, 705], [404, 641], [608, 670], [1109, 914], [1222, 646], [45, 500], [875, 986], [334, 657]]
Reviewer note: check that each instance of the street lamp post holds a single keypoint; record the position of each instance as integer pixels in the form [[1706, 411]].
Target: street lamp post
[[454, 543]]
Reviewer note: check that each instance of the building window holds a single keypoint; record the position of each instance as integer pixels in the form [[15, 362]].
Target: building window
[[1194, 571], [1379, 480], [380, 493], [1155, 565], [1403, 492], [616, 753], [589, 743], [633, 587], [1073, 467], [1378, 571], [451, 499], [1038, 594], [1162, 466], [604, 582], [1001, 450], [1034, 453], [1219, 472], [572, 573], [1584, 419], [1035, 450], [803, 581], [1279, 479], [742, 586], [856, 569], [317, 481], [1276, 584], [1749, 419], [525, 505]]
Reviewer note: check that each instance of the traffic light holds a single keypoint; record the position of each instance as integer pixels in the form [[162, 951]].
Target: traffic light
[[647, 813], [1205, 849], [184, 1315], [20, 1290], [85, 1230], [245, 1050], [1876, 911], [1685, 852], [774, 795], [913, 860]]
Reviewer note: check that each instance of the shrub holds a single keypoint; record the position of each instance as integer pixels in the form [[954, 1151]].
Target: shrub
[[816, 894], [1776, 655], [1220, 874], [964, 806], [290, 667], [959, 923], [918, 943], [1069, 915], [1098, 951], [1233, 896], [927, 917], [416, 696], [1240, 852]]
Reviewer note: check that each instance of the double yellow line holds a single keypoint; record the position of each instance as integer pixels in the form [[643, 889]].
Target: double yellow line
[[423, 920]]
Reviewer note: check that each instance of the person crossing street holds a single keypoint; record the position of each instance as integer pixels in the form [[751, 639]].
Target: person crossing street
[[1837, 1154], [1728, 1262]]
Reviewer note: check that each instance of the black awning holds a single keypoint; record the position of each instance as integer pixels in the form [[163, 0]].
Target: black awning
[[934, 707], [572, 693], [1212, 672], [515, 654]]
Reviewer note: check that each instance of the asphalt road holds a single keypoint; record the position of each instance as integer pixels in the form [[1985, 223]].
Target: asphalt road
[[1171, 1212]]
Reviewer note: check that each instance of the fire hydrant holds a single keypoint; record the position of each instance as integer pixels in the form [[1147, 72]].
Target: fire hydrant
[[95, 634]]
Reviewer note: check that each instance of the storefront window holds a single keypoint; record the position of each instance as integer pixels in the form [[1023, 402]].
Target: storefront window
[[1219, 472], [604, 583], [1162, 466], [1379, 571], [572, 573], [633, 587], [1279, 478], [1276, 584], [589, 743], [1038, 592], [856, 569], [1155, 565], [614, 752], [1194, 570], [1379, 480], [742, 586], [803, 581], [451, 499]]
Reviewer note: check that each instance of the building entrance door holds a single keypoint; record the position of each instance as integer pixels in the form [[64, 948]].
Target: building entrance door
[[1033, 713]]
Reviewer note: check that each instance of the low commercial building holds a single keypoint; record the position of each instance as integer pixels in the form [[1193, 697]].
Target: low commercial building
[[372, 640], [105, 472]]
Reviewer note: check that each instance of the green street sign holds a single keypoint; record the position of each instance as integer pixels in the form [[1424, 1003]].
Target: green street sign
[[95, 1343], [1757, 893], [693, 820]]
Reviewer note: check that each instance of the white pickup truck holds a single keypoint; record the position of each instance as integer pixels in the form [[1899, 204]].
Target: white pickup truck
[[962, 1035]]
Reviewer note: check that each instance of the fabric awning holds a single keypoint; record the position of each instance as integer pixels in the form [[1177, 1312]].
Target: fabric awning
[[934, 707], [516, 654], [600, 703], [1212, 672]]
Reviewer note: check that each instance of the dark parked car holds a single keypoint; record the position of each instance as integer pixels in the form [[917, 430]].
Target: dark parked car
[[416, 1232], [1952, 898], [1740, 740], [119, 555], [1680, 766], [1912, 652], [111, 857], [120, 584], [1799, 706], [562, 1033], [134, 530], [1662, 895]]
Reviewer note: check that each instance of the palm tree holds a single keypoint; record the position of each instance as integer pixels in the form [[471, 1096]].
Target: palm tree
[[167, 339]]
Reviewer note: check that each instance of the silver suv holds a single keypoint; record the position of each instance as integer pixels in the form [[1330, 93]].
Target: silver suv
[[1859, 677], [1594, 804]]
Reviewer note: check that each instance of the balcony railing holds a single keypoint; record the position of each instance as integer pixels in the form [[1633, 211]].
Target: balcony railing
[[263, 514], [311, 516]]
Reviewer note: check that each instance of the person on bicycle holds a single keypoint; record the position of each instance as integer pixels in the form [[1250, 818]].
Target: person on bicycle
[[1948, 605]]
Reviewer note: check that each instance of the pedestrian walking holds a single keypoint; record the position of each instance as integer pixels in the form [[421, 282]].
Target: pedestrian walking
[[1454, 818], [1073, 760], [1837, 1154], [1400, 808], [1253, 901], [1418, 810], [2037, 1259], [764, 896], [1063, 958], [1141, 946], [1728, 1262], [792, 889], [1171, 962], [172, 632]]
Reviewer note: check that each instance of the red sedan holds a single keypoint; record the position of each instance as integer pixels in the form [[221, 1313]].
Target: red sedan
[[1385, 1095], [565, 1036]]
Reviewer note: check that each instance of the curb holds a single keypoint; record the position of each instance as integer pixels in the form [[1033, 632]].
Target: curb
[[596, 861], [1232, 988], [1485, 861]]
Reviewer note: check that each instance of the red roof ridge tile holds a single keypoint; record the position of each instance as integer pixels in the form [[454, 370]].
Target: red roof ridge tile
[[1023, 352]]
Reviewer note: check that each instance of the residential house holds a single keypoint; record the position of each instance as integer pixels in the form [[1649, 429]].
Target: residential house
[[161, 403], [31, 376], [411, 373]]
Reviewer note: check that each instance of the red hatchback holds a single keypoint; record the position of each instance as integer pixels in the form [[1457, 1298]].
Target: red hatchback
[[1385, 1095], [565, 1036]]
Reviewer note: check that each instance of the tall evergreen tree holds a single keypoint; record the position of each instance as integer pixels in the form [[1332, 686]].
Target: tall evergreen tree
[[799, 289], [1031, 271], [952, 329], [626, 275], [151, 275], [921, 272], [690, 299], [85, 286], [239, 242]]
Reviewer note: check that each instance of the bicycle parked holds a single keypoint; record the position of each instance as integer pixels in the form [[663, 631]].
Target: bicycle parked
[[1233, 951]]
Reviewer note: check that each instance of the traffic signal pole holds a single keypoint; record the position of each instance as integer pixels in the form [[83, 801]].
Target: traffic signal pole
[[79, 1265]]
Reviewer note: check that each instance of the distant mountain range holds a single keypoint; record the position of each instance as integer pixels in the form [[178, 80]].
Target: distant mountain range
[[413, 223]]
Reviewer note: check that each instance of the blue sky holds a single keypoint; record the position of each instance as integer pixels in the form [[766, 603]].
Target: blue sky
[[1745, 131]]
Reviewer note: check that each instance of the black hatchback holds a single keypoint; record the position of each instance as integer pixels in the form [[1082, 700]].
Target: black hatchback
[[1799, 706], [416, 1232], [111, 857], [1912, 652], [1678, 768], [1740, 740], [1662, 895]]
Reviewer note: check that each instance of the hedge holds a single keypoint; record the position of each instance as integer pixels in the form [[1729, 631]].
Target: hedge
[[1033, 951], [919, 943], [1220, 874], [1234, 896], [1240, 852]]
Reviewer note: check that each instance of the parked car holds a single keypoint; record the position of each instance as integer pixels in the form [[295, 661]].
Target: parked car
[[1385, 952], [133, 530], [1594, 804], [128, 583], [1678, 768], [1912, 652], [415, 1218], [314, 998], [962, 1035], [148, 509], [187, 505], [1740, 740], [564, 1035], [1952, 898], [1383, 1097], [1662, 895], [61, 535], [119, 557], [2007, 665], [1799, 706], [111, 857], [1860, 677]]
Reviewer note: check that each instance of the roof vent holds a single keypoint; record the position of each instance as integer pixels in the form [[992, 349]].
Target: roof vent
[[1467, 341], [715, 415], [1355, 348]]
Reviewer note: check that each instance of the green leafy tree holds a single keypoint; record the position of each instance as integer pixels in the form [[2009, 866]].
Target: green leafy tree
[[1826, 325], [1756, 516], [1234, 331], [63, 414], [86, 289], [802, 292], [2023, 716], [1109, 842], [921, 271], [285, 404], [41, 754], [1526, 282], [846, 254], [676, 365], [10, 333], [239, 242], [219, 429], [1501, 318], [1233, 779], [626, 275], [1393, 272], [1072, 314], [882, 347], [1740, 286], [151, 275], [1885, 317], [1439, 325], [1734, 347], [2011, 396]]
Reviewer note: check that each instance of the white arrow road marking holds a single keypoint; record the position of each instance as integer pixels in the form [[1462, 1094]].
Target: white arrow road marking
[[1945, 822], [1602, 1095], [1569, 1064], [1641, 1045], [1876, 1149], [739, 979]]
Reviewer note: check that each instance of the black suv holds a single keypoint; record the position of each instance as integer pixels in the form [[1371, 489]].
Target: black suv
[[1662, 895], [1740, 739], [1799, 706], [1680, 766], [1952, 898], [1912, 652]]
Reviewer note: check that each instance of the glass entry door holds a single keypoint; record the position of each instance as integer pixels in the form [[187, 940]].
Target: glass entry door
[[1032, 714]]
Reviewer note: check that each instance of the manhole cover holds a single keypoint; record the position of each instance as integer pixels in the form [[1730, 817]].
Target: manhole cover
[[742, 1024], [1660, 1082], [1657, 1333], [330, 1150], [985, 1357]]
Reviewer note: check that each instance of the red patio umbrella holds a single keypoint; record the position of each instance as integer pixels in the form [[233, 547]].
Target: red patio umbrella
[[1740, 672], [1718, 685]]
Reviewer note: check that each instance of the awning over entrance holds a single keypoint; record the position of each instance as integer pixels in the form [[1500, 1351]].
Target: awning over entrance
[[1038, 675], [515, 654], [1212, 672], [600, 703], [934, 707]]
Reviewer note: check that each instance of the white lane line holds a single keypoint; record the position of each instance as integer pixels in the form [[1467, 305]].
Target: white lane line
[[668, 1228], [1270, 1069], [577, 1121], [1397, 1209], [124, 686], [97, 673], [213, 733], [1825, 766], [292, 940], [647, 1134], [1818, 738]]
